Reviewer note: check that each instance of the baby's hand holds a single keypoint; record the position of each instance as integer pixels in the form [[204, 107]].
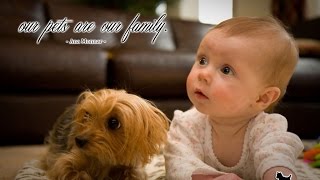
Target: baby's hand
[[272, 172], [229, 176]]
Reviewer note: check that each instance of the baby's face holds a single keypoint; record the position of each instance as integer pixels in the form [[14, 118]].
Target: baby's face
[[225, 81]]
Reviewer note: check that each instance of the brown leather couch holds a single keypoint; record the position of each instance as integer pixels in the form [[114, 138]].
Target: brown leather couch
[[39, 81]]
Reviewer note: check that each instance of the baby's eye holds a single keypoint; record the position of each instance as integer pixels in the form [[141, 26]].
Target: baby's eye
[[203, 61], [227, 70]]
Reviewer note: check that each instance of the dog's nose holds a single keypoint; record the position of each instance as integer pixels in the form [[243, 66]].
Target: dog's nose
[[80, 141]]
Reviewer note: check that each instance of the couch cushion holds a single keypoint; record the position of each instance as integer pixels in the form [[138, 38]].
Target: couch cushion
[[188, 34], [50, 66], [305, 83], [27, 117], [169, 105], [302, 118], [151, 73], [13, 13], [307, 29]]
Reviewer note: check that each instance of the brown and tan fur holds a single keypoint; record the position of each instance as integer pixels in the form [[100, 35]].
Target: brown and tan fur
[[107, 134]]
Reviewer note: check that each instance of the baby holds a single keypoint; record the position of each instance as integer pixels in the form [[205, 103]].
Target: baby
[[242, 68]]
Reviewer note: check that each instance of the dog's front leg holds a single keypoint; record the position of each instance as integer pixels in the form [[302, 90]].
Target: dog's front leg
[[68, 168], [126, 173], [136, 174]]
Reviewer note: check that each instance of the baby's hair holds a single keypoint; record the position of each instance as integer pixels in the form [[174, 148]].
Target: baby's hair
[[282, 54]]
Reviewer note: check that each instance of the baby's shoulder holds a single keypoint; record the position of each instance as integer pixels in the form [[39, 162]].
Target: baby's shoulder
[[266, 124], [271, 120]]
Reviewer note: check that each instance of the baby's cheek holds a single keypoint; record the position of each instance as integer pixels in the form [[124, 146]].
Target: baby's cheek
[[190, 81], [222, 93], [227, 98]]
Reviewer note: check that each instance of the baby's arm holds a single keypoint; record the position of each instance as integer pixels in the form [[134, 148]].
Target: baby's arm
[[229, 176], [274, 148]]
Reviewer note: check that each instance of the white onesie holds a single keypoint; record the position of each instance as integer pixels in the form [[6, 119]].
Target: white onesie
[[267, 144]]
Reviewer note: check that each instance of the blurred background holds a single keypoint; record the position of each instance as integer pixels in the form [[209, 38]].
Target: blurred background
[[39, 81], [287, 10]]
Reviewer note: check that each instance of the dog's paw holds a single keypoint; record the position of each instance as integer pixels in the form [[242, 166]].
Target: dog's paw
[[84, 176], [71, 175], [76, 175], [136, 174]]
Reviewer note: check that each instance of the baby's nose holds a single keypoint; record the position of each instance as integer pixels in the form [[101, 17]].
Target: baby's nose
[[204, 76]]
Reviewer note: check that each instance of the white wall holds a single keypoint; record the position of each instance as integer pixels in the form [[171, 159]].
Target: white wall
[[184, 9], [313, 8], [215, 11], [251, 7]]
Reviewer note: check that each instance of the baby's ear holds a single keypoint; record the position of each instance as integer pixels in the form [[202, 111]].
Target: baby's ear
[[268, 96]]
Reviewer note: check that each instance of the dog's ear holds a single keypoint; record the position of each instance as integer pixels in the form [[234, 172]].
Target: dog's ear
[[160, 117], [158, 125]]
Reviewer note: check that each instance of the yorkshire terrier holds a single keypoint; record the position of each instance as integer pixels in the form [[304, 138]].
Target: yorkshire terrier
[[107, 134]]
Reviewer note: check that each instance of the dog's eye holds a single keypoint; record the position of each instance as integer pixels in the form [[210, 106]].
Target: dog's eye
[[113, 123]]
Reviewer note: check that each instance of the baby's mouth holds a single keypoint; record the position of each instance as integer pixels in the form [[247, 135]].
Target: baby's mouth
[[200, 95]]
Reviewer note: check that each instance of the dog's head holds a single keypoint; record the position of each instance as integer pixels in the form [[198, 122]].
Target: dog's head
[[117, 128]]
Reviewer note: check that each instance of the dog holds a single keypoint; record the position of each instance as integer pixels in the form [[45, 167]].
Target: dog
[[280, 176], [107, 134]]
